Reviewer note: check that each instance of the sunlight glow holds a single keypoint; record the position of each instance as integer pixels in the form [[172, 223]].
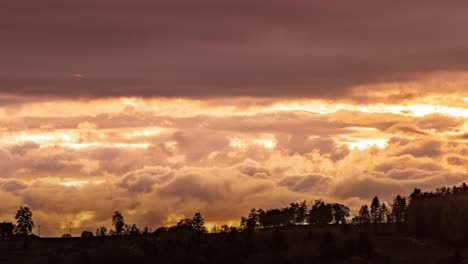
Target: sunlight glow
[[130, 102], [267, 143], [74, 139], [77, 220], [74, 183], [99, 144], [367, 143], [416, 110], [80, 183], [240, 143], [143, 132]]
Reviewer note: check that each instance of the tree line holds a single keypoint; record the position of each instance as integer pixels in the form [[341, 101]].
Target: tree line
[[321, 213], [440, 214]]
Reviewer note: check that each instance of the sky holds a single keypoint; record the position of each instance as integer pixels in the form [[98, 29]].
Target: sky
[[161, 109]]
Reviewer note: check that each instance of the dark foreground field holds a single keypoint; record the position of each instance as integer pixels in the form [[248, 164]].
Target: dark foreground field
[[300, 244]]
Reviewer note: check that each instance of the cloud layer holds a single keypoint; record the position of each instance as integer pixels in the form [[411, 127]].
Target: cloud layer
[[157, 165], [297, 48]]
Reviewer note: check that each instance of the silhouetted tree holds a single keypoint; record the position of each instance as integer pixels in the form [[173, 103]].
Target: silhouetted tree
[[24, 221], [302, 212], [261, 217], [442, 214], [243, 223], [251, 223], [375, 211], [102, 231], [185, 223], [160, 230], [384, 213], [228, 229], [134, 230], [276, 217], [298, 211], [364, 215], [146, 231], [224, 229], [118, 222], [320, 213], [66, 235], [198, 223], [131, 230], [340, 213], [87, 234], [399, 209]]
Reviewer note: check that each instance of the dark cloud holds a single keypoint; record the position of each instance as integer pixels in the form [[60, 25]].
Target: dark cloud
[[439, 122], [101, 48], [12, 185], [143, 180], [430, 148], [194, 186], [22, 148], [306, 183], [387, 185], [457, 161], [254, 169], [407, 161], [408, 130]]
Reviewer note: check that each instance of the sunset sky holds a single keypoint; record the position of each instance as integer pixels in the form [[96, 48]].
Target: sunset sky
[[161, 109]]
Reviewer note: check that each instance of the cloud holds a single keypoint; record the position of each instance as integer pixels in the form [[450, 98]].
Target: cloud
[[144, 179], [266, 49], [406, 161], [401, 182], [24, 147], [423, 149], [408, 130], [157, 160], [464, 136], [307, 183], [12, 185], [254, 169]]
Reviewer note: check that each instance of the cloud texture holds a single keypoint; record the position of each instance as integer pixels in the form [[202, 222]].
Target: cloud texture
[[157, 165], [100, 48]]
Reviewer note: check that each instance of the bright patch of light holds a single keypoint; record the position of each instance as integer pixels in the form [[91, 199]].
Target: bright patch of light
[[171, 144], [367, 143], [42, 137], [76, 220], [416, 110], [269, 143], [79, 183], [74, 183], [102, 145], [130, 102], [143, 132], [316, 107], [73, 139]]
